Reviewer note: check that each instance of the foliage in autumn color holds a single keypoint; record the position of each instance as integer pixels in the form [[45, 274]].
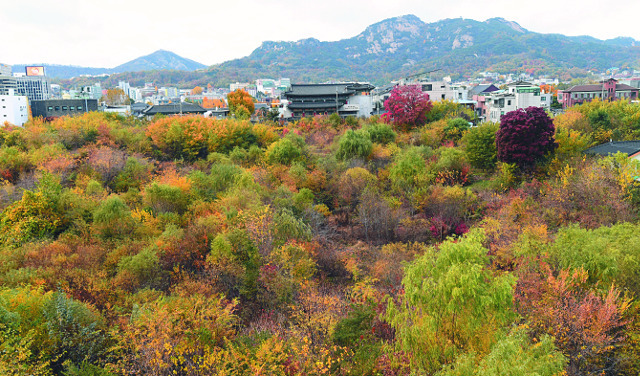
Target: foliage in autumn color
[[240, 103], [407, 106], [194, 246], [525, 137]]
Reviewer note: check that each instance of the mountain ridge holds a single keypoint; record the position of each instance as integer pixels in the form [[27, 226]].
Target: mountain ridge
[[398, 46], [158, 60]]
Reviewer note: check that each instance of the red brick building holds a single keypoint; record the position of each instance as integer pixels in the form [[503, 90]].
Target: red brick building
[[607, 90]]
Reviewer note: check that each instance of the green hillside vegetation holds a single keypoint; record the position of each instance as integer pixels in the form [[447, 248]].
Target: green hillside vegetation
[[193, 246], [401, 46]]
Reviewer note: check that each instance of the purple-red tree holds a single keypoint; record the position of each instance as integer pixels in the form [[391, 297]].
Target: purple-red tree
[[407, 106], [525, 137]]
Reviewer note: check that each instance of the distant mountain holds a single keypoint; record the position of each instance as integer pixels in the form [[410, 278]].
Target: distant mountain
[[397, 47], [403, 45], [159, 60]]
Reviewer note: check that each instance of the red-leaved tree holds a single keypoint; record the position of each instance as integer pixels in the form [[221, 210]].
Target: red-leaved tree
[[525, 137], [407, 106], [588, 325]]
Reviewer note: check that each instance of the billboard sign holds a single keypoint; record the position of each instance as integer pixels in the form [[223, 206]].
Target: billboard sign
[[35, 71]]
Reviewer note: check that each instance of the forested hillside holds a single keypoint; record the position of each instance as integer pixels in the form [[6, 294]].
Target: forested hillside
[[390, 50], [193, 246]]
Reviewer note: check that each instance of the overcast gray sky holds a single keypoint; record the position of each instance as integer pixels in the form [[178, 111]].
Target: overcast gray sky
[[108, 33]]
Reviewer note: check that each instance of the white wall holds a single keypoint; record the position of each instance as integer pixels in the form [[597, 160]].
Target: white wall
[[13, 109]]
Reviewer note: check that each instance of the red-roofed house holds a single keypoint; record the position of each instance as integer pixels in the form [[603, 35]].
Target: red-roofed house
[[607, 90]]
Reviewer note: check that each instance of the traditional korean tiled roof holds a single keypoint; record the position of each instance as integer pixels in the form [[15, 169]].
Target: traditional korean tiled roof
[[312, 105], [174, 108], [627, 147], [327, 89]]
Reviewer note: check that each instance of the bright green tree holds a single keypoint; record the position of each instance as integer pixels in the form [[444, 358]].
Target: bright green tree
[[452, 304]]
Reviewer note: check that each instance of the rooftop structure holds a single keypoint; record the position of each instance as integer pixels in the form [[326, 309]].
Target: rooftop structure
[[182, 108], [631, 148]]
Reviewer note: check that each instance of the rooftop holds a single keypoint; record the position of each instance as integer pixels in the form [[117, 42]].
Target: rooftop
[[628, 147], [327, 89], [174, 108], [598, 88]]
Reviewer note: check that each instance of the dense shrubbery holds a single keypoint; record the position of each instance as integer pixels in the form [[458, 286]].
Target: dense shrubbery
[[195, 246]]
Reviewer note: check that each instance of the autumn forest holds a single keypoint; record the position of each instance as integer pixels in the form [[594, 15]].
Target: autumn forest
[[327, 246]]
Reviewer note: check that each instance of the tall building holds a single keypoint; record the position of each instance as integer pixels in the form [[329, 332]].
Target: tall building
[[36, 88], [7, 84], [124, 86], [7, 81], [5, 70], [13, 109]]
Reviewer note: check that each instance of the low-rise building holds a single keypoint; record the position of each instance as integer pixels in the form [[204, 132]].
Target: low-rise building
[[479, 94], [517, 95], [606, 90], [182, 108], [53, 108], [630, 148]]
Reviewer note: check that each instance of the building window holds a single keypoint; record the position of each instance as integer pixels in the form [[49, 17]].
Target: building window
[[71, 108], [64, 108], [79, 108], [50, 108], [509, 102], [57, 108]]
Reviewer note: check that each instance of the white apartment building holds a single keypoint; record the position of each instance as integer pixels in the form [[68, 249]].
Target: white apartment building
[[124, 86], [135, 94], [517, 95], [13, 109], [169, 92]]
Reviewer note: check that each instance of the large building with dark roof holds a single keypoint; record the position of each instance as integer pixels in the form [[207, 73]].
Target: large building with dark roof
[[346, 99], [53, 108], [182, 108], [607, 90], [630, 148]]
